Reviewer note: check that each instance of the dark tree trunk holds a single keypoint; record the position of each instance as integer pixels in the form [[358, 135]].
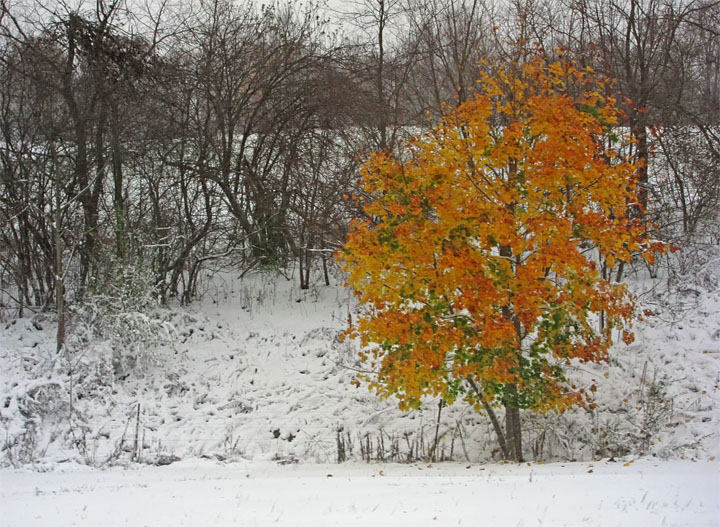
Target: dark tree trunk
[[493, 419], [326, 274], [118, 184], [59, 271], [513, 433], [642, 156]]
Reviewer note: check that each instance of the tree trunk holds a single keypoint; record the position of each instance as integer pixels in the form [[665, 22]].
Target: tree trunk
[[59, 284], [513, 433], [326, 274], [493, 418], [382, 19], [118, 184], [308, 265], [639, 132]]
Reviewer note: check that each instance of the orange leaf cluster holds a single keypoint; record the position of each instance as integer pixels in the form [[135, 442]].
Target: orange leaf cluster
[[477, 257]]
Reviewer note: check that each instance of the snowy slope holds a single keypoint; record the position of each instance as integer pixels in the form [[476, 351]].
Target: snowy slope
[[257, 372]]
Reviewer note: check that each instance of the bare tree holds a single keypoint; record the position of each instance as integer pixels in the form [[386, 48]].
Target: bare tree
[[639, 43], [453, 38], [250, 68], [380, 57]]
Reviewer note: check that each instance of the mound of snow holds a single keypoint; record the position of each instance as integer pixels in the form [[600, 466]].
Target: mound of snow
[[257, 371]]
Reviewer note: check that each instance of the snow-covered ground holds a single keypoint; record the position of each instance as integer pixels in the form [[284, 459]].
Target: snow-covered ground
[[257, 371], [250, 403], [203, 493]]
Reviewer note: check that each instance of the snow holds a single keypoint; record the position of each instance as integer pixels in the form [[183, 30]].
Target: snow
[[249, 403], [257, 372], [643, 493]]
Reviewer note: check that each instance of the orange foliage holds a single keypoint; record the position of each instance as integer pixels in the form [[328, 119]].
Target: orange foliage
[[477, 257]]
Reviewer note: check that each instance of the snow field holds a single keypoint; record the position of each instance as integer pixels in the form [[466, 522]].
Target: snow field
[[202, 493], [257, 372], [257, 378]]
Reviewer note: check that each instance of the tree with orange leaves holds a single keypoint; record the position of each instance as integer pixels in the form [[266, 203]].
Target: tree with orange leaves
[[476, 264]]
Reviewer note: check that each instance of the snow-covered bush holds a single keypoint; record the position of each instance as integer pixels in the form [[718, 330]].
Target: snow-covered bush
[[124, 312], [632, 424], [26, 409], [39, 418]]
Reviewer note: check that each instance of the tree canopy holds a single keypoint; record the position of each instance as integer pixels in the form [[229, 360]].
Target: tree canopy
[[478, 261]]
